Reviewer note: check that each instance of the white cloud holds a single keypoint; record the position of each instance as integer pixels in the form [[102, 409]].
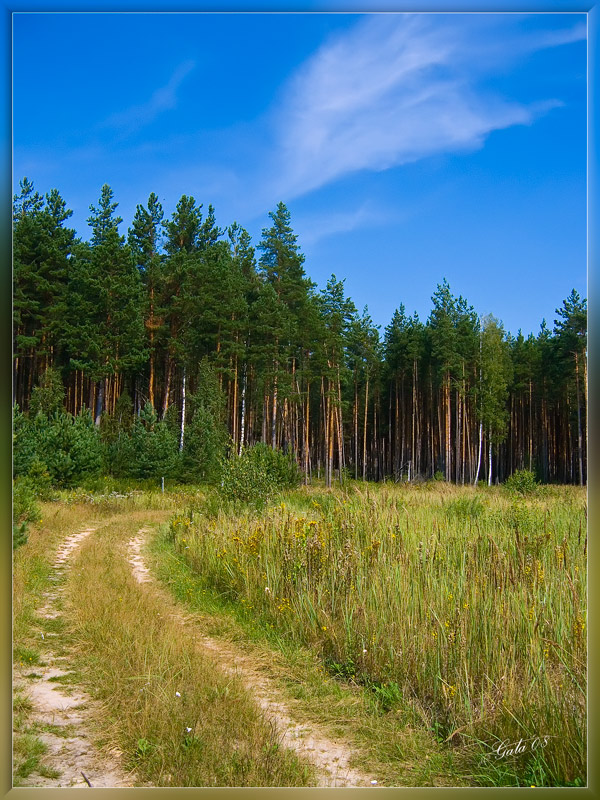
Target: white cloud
[[312, 229], [393, 89], [163, 99]]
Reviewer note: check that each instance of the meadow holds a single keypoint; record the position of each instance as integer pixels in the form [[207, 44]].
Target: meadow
[[462, 610]]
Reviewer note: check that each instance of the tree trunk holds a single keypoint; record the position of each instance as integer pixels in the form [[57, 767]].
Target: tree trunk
[[306, 433], [100, 400], [331, 432], [182, 433], [490, 458], [274, 414], [168, 373], [364, 466], [355, 428], [340, 426], [530, 427], [479, 455], [448, 427], [243, 419]]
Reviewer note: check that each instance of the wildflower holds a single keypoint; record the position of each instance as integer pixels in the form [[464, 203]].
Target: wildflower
[[364, 651], [267, 590], [324, 627], [373, 783], [188, 730], [177, 694]]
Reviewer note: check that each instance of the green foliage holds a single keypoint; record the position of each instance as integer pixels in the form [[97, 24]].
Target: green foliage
[[140, 447], [25, 510], [522, 482], [116, 315], [49, 395], [497, 372], [464, 508], [258, 474], [206, 435], [40, 479], [154, 449], [65, 447]]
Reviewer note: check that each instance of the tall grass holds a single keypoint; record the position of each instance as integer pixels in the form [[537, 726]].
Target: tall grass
[[178, 719], [470, 605]]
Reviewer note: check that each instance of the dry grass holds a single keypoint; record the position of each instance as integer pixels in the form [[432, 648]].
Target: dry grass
[[134, 658], [177, 718], [466, 606]]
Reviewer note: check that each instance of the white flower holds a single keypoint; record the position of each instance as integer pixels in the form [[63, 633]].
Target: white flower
[[364, 651], [188, 730], [373, 783], [267, 590], [177, 694]]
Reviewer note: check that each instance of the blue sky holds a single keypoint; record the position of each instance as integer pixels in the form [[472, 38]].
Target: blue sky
[[408, 148]]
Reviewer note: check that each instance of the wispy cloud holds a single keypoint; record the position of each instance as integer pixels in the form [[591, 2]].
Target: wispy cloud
[[393, 89], [163, 99], [317, 227]]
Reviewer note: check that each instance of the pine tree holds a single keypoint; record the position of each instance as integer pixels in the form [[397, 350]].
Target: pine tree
[[337, 313], [105, 330], [145, 239], [281, 267], [496, 374], [571, 333], [102, 219], [42, 246]]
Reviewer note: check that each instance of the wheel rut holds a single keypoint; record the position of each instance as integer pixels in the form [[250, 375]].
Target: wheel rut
[[331, 757]]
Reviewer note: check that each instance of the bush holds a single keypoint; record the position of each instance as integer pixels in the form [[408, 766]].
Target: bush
[[258, 474], [155, 450], [25, 510], [204, 447], [65, 447], [464, 508], [522, 481], [149, 449]]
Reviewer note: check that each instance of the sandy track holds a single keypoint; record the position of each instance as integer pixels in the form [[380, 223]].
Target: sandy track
[[331, 757], [64, 707]]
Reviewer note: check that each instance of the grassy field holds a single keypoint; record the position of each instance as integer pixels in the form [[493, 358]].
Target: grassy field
[[426, 624], [160, 699], [462, 610]]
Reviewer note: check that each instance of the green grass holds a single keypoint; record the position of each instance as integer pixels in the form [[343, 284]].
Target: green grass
[[27, 752], [466, 606], [177, 718], [424, 624], [28, 748], [394, 747], [127, 653]]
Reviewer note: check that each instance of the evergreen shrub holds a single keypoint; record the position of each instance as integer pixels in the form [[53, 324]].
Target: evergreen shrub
[[523, 481], [25, 510], [258, 474], [56, 448]]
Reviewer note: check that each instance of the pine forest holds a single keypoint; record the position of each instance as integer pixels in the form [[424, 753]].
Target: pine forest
[[183, 343]]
